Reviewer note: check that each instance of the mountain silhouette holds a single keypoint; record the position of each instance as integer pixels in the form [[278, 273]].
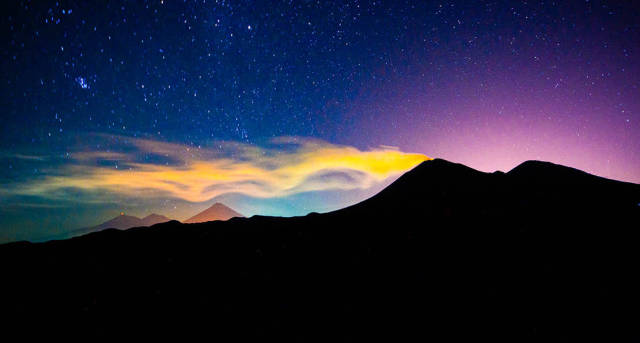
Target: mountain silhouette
[[217, 211], [153, 219], [447, 253], [121, 222]]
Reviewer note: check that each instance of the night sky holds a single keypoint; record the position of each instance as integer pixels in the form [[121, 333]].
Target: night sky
[[288, 107]]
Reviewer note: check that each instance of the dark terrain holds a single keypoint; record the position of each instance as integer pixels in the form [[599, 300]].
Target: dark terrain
[[446, 253]]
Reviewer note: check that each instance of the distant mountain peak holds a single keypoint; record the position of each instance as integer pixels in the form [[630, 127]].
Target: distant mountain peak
[[153, 219], [219, 205], [217, 211], [122, 217], [155, 216], [124, 221]]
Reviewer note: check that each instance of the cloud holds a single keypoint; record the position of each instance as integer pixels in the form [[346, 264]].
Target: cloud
[[22, 156], [144, 168]]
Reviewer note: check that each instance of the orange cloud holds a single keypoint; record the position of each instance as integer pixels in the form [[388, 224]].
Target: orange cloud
[[292, 165]]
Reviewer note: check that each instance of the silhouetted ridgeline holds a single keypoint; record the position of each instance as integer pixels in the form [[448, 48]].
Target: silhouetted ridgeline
[[543, 252]]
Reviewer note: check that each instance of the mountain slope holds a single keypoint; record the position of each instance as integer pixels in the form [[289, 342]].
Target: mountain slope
[[217, 211], [445, 253], [153, 219], [121, 222]]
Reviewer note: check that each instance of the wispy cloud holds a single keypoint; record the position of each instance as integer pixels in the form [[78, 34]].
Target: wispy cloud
[[134, 167], [16, 156]]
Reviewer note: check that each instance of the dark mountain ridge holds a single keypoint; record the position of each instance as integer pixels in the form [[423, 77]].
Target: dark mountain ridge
[[543, 252]]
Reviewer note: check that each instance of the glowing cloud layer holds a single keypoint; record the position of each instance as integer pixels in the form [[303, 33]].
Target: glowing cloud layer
[[147, 168]]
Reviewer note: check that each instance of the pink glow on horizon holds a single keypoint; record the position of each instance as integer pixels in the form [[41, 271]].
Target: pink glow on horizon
[[495, 121]]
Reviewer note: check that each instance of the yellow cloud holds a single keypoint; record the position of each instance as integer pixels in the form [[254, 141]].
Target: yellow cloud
[[198, 174]]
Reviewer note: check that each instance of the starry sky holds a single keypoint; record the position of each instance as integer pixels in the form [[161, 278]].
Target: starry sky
[[288, 107]]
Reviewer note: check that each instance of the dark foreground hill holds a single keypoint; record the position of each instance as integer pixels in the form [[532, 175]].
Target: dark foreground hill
[[446, 253]]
